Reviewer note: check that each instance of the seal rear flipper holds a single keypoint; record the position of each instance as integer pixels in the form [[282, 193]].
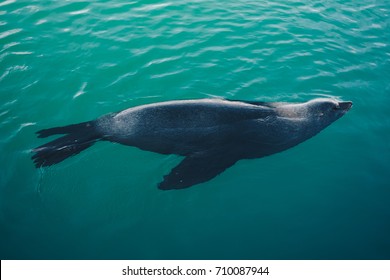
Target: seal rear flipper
[[80, 127], [78, 137], [195, 170]]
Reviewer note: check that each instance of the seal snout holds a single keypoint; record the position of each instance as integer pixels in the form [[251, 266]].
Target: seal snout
[[345, 106]]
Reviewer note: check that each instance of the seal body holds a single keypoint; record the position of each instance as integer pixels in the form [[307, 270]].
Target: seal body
[[211, 134]]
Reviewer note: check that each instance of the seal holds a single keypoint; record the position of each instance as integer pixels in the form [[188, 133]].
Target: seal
[[211, 134]]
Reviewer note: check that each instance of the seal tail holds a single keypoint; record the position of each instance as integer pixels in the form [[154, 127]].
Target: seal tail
[[77, 138]]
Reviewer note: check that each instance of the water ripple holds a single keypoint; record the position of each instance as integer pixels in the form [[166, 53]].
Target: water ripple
[[162, 60], [8, 33], [7, 2], [152, 7], [158, 76]]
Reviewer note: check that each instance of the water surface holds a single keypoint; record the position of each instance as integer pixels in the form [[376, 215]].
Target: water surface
[[65, 62]]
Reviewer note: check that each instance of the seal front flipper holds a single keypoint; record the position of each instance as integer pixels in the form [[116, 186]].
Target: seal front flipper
[[195, 170]]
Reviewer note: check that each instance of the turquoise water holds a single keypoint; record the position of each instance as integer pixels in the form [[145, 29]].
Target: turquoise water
[[64, 62]]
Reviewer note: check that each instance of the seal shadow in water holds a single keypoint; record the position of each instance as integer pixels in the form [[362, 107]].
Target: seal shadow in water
[[211, 134]]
